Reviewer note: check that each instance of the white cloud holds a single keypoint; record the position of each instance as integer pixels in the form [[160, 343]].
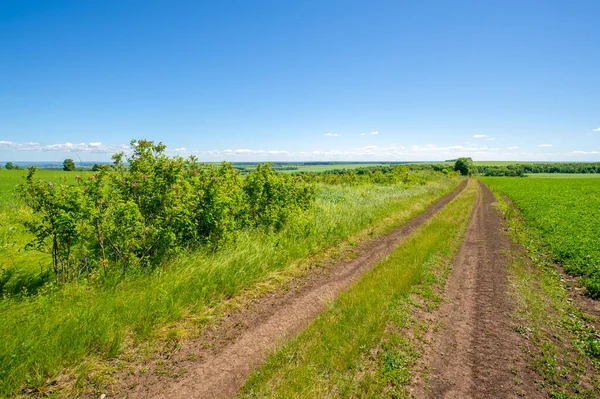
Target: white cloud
[[453, 149], [244, 151], [483, 136], [545, 145], [333, 135], [388, 152], [374, 133], [370, 134], [596, 130], [92, 147]]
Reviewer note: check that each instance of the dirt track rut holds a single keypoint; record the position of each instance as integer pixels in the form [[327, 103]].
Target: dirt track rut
[[477, 354], [268, 322]]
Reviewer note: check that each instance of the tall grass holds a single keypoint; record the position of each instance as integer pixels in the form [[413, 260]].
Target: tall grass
[[352, 349], [42, 334]]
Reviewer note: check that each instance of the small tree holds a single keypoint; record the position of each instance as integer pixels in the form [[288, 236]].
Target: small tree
[[464, 166], [68, 165], [9, 166]]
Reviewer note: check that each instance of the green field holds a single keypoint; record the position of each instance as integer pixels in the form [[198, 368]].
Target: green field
[[564, 175], [565, 214], [302, 167]]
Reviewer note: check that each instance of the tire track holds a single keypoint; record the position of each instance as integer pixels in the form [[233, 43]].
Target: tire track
[[478, 354], [268, 322]]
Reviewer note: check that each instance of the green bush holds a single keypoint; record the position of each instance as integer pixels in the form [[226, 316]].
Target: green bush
[[148, 207]]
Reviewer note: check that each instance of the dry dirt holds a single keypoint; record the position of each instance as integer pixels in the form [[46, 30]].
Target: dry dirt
[[219, 362], [477, 354]]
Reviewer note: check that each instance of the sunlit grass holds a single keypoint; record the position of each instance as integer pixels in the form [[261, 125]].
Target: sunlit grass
[[356, 347], [43, 334]]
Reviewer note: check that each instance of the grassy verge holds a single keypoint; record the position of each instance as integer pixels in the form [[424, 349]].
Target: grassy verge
[[562, 342], [366, 343], [80, 327]]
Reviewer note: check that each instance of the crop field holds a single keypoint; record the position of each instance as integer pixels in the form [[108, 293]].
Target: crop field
[[564, 175], [70, 312], [565, 214]]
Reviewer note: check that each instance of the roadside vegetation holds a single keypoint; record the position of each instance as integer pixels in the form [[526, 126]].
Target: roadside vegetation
[[367, 342], [563, 344], [67, 305], [563, 215]]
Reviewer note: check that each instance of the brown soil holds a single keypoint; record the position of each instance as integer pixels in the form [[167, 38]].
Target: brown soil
[[477, 354], [218, 363], [577, 291]]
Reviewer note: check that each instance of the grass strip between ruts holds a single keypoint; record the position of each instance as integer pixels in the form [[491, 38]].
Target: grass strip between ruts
[[360, 346]]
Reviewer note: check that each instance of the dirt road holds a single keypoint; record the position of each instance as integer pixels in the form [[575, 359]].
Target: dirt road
[[240, 344], [477, 354]]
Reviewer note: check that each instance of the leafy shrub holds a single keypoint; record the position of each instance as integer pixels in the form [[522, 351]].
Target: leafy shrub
[[148, 207]]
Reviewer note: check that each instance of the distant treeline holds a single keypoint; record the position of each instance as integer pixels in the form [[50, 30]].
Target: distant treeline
[[527, 168], [380, 174]]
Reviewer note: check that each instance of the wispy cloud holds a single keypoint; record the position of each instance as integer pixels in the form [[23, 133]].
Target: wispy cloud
[[584, 152], [483, 136], [332, 135], [455, 149], [369, 134], [388, 152], [94, 147], [596, 130]]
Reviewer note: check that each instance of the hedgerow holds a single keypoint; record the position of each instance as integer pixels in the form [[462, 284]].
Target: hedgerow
[[388, 174], [148, 207]]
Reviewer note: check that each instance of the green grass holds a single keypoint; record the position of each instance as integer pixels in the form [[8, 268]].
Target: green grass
[[359, 347], [565, 214], [563, 344], [20, 269], [81, 325]]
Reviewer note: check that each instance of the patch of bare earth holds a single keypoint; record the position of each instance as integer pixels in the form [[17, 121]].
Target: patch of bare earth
[[217, 364], [477, 354]]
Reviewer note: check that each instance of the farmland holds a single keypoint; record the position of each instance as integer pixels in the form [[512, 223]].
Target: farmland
[[380, 303], [52, 327], [565, 214], [80, 321]]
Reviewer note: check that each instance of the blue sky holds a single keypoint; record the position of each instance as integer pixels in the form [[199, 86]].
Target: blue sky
[[301, 80]]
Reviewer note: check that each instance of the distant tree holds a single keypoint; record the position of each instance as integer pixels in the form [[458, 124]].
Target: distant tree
[[9, 166], [464, 166], [68, 165], [97, 167]]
